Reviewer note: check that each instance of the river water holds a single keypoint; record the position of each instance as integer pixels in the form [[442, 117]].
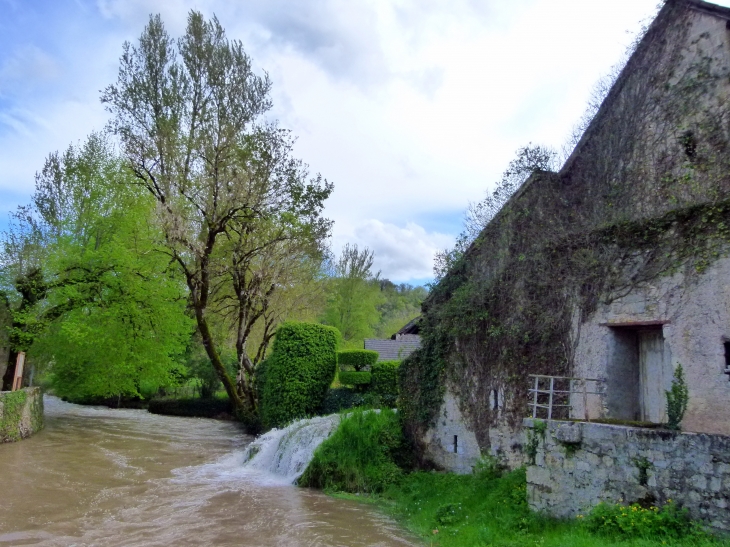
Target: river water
[[103, 477]]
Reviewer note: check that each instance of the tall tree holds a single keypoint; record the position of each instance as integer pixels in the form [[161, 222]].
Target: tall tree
[[188, 113], [354, 295]]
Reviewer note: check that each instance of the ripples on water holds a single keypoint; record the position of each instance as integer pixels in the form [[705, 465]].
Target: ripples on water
[[103, 477]]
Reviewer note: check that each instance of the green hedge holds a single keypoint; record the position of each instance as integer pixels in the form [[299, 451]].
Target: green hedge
[[341, 398], [384, 382], [350, 378], [298, 372], [357, 358]]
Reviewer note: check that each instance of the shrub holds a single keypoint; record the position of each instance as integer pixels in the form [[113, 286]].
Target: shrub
[[298, 372], [357, 358], [361, 456], [350, 378], [677, 399], [384, 384], [341, 398], [634, 521]]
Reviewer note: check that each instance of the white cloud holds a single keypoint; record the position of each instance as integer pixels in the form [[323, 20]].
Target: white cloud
[[401, 254], [412, 108]]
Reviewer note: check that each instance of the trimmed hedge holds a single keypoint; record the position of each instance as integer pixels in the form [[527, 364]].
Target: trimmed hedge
[[341, 398], [384, 382], [350, 378], [357, 358], [298, 372]]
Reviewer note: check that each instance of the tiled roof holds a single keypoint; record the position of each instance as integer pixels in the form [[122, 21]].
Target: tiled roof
[[393, 350]]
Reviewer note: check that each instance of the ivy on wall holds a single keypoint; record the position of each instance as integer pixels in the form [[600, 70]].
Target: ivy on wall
[[646, 195]]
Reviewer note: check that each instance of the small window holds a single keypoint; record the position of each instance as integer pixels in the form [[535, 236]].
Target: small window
[[456, 444], [495, 397], [689, 143], [727, 357]]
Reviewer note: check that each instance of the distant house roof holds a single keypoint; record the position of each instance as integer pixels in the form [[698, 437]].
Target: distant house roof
[[394, 350], [413, 327]]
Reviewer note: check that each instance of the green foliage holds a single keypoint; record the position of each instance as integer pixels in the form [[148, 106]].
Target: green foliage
[[534, 435], [353, 296], [634, 521], [352, 378], [400, 304], [298, 373], [490, 510], [358, 359], [342, 398], [677, 399], [384, 383], [362, 455], [115, 320]]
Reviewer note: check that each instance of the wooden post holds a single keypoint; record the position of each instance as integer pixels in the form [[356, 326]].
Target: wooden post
[[18, 379], [534, 404]]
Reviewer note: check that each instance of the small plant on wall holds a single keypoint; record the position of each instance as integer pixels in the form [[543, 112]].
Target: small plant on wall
[[677, 399]]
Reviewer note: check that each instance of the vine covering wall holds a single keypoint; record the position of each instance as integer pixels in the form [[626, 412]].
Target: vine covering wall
[[21, 414], [646, 193]]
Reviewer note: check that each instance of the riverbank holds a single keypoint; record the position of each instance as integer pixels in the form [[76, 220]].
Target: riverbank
[[365, 457]]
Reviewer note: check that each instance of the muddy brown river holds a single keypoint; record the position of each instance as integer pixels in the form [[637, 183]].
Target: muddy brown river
[[102, 477]]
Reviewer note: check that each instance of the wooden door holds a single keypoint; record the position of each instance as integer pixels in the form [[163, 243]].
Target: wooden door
[[655, 375]]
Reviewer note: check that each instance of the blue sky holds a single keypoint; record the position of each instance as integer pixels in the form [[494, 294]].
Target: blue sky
[[412, 108]]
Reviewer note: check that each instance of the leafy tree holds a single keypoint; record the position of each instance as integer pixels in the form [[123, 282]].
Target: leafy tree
[[229, 195], [353, 295], [401, 304], [102, 310]]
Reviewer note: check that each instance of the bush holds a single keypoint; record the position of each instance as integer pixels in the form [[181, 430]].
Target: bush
[[634, 521], [357, 358], [363, 455], [341, 398], [298, 372], [350, 378], [384, 384]]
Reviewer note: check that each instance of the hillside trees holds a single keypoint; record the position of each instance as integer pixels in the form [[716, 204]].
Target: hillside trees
[[234, 208], [353, 295]]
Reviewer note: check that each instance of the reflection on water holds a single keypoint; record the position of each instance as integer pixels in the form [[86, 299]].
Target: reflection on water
[[126, 477]]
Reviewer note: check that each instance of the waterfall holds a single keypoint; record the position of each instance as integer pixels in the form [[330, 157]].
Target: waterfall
[[287, 452]]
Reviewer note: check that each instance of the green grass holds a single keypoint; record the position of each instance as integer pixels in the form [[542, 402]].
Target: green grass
[[450, 510], [364, 455]]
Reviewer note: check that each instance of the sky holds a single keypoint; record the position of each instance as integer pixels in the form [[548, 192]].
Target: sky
[[412, 108]]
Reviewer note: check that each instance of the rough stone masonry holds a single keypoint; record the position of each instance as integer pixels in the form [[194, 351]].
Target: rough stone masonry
[[578, 465]]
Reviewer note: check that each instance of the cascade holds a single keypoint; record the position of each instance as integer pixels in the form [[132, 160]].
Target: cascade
[[287, 452]]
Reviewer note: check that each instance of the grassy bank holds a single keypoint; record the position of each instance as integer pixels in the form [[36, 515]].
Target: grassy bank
[[367, 459]]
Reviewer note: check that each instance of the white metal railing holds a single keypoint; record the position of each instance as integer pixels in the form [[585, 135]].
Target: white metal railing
[[547, 396]]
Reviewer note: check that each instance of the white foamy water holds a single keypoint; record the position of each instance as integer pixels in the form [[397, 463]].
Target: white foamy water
[[103, 477], [287, 452]]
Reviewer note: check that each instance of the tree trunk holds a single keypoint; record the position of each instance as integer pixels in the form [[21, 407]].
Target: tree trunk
[[215, 360]]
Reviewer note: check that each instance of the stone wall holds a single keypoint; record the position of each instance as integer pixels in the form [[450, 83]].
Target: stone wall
[[505, 442], [578, 465], [21, 414]]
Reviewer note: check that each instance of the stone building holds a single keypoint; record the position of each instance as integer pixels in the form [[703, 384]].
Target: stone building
[[611, 272]]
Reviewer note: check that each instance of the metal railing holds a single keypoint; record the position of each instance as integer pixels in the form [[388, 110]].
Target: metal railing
[[547, 395]]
